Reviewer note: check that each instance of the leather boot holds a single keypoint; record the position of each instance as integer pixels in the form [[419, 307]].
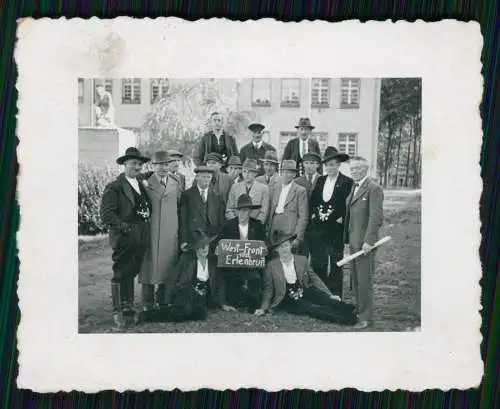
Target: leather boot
[[147, 296], [129, 312], [117, 306]]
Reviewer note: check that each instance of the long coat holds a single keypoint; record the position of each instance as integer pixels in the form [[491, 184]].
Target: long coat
[[292, 150], [193, 215], [208, 143], [161, 255], [259, 194], [249, 151], [274, 287], [364, 215], [330, 231], [296, 213]]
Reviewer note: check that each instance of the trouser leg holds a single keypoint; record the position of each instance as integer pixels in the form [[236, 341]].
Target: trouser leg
[[147, 296], [363, 268], [335, 281]]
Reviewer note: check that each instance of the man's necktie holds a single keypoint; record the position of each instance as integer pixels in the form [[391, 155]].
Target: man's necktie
[[204, 195], [248, 188], [164, 182], [354, 187], [304, 148]]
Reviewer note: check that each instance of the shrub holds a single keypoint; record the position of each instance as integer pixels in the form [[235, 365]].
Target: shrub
[[91, 183]]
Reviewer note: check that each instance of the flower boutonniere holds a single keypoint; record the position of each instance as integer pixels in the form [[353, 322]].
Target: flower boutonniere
[[324, 212], [296, 292], [200, 288]]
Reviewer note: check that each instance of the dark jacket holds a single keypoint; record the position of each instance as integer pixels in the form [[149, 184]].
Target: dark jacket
[[207, 144], [292, 150], [250, 152], [331, 230], [222, 183], [194, 215], [186, 276], [232, 231], [303, 181], [118, 210]]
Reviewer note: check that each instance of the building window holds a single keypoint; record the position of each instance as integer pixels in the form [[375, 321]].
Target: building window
[[261, 92], [322, 138], [320, 93], [290, 92], [284, 138], [81, 90], [159, 89], [349, 90], [131, 91], [348, 143]]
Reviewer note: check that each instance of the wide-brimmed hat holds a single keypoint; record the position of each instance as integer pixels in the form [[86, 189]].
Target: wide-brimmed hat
[[200, 239], [289, 164], [311, 156], [256, 127], [305, 123], [280, 237], [251, 164], [333, 153], [234, 161], [217, 157], [270, 156], [161, 157], [132, 153], [175, 154], [204, 169], [245, 202]]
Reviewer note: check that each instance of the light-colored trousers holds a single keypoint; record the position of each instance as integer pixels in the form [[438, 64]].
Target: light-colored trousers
[[363, 269]]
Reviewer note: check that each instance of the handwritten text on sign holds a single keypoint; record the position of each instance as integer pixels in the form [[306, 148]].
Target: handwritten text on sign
[[241, 253]]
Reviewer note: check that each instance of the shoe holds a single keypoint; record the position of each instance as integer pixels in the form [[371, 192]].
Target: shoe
[[118, 320], [361, 325]]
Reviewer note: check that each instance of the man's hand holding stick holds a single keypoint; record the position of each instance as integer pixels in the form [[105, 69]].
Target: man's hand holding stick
[[363, 251]]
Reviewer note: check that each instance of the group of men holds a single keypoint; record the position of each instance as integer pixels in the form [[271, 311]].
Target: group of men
[[308, 213]]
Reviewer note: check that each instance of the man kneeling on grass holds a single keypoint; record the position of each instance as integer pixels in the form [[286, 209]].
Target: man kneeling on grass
[[197, 285], [290, 284]]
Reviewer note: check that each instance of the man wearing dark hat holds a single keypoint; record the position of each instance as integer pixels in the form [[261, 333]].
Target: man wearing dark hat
[[270, 164], [326, 227], [126, 211], [296, 148], [234, 168], [290, 284], [173, 168], [257, 148], [288, 210], [257, 191], [160, 259], [221, 181], [201, 208], [311, 163], [243, 285], [217, 140], [197, 284]]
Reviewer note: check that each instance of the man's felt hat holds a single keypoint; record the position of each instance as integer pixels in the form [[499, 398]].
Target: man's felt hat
[[200, 239], [245, 202], [251, 164], [333, 153], [217, 157], [161, 157], [234, 161], [305, 123], [270, 156], [311, 156], [289, 164], [132, 153]]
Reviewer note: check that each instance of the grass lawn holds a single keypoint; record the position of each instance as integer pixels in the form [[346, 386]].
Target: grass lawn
[[396, 286]]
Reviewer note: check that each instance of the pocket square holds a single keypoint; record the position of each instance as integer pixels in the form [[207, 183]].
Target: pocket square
[[339, 220]]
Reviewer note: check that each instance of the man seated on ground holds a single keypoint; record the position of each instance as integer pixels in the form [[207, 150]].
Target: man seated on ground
[[197, 286], [243, 285], [291, 285]]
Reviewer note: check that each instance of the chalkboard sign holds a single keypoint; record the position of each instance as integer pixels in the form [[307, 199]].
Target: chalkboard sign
[[241, 253]]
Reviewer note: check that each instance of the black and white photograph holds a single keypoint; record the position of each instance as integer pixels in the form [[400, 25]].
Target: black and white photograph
[[225, 205], [249, 205]]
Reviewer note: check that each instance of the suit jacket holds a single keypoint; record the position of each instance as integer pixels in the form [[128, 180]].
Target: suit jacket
[[250, 152], [118, 207], [365, 215], [205, 146], [259, 194], [193, 217], [303, 181], [332, 230], [181, 179], [276, 178], [232, 231], [222, 183], [185, 271], [292, 150], [274, 283], [295, 209]]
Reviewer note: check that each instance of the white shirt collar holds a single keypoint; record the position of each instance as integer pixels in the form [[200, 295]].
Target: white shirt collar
[[257, 144], [202, 271], [202, 190], [361, 181], [289, 271], [134, 183], [243, 229]]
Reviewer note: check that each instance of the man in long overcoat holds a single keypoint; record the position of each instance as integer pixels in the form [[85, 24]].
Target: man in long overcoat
[[157, 268], [125, 210]]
